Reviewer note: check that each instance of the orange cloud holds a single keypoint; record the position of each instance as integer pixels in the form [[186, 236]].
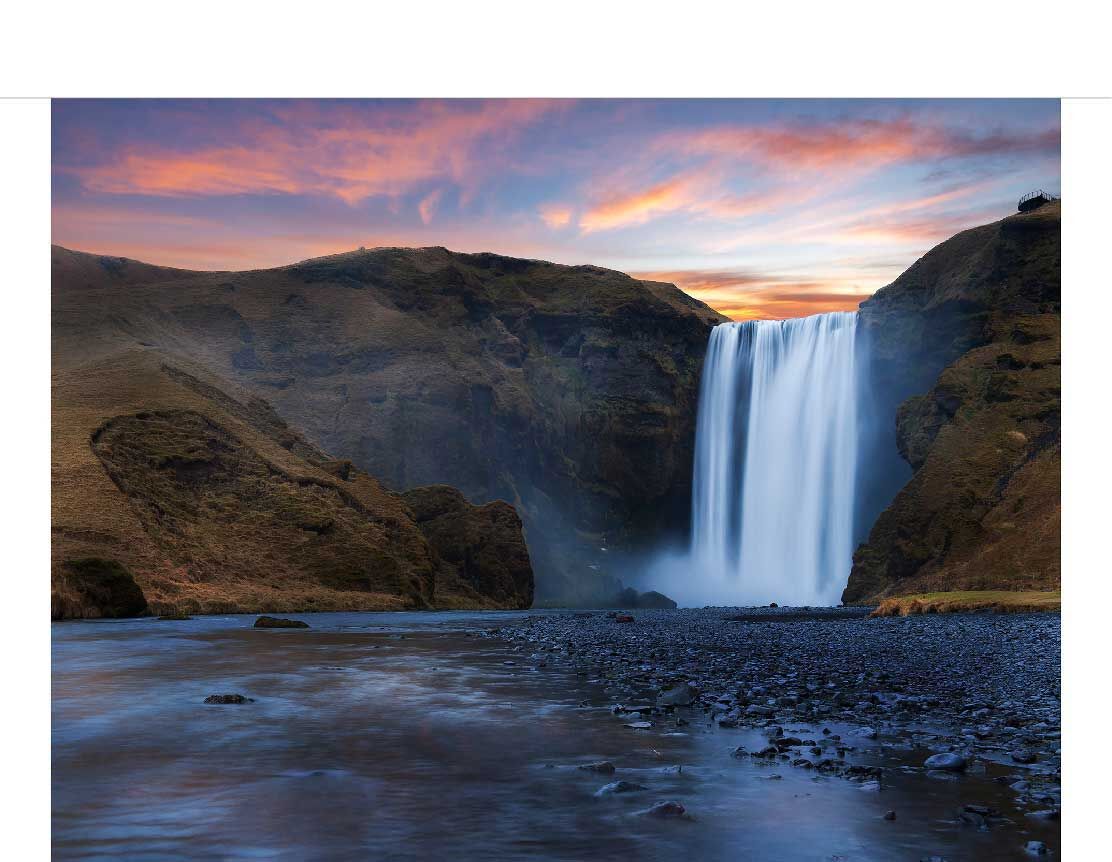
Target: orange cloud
[[744, 295], [555, 215], [639, 207]]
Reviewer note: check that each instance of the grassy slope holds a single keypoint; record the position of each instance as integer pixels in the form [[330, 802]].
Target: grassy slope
[[275, 527]]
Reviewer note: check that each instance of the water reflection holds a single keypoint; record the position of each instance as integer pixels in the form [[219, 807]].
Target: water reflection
[[397, 736]]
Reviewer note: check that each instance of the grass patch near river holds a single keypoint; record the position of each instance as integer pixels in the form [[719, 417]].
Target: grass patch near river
[[999, 601]]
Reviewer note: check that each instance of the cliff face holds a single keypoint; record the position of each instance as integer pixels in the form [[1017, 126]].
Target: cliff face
[[966, 354], [170, 495], [569, 392]]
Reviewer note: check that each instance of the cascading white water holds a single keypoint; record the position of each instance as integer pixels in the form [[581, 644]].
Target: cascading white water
[[776, 462]]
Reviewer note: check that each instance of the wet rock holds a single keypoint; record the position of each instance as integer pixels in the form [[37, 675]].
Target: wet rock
[[889, 815], [265, 622], [667, 810], [1035, 848], [619, 787], [1022, 755], [639, 725], [623, 618], [947, 761], [228, 698], [604, 767], [678, 695]]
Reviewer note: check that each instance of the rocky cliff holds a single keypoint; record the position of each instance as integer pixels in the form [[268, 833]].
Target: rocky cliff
[[965, 354], [170, 495], [568, 392]]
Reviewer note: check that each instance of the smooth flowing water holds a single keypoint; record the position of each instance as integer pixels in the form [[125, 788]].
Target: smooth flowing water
[[408, 737], [776, 461]]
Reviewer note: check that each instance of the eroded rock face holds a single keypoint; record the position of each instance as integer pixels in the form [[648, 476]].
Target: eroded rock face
[[966, 354], [483, 546], [570, 392]]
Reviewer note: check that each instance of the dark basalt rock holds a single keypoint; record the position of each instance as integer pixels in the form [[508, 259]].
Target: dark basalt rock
[[228, 699], [265, 622]]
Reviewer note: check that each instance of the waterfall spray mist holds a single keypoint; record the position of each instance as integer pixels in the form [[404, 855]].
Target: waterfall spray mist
[[775, 464]]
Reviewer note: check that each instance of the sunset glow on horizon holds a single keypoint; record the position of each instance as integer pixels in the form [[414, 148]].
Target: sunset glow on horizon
[[760, 208]]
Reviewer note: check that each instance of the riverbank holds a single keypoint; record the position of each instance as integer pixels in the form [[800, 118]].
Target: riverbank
[[985, 687]]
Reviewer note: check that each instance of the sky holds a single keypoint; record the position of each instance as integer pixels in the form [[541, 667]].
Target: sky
[[760, 208]]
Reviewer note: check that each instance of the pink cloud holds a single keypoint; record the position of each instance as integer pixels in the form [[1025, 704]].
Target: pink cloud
[[334, 152], [429, 204]]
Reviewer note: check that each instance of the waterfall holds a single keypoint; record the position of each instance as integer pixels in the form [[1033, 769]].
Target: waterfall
[[776, 461]]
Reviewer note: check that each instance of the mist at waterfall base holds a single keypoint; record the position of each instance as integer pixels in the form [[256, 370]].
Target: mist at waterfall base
[[779, 497]]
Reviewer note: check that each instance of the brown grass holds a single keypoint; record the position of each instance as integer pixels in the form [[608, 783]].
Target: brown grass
[[997, 601]]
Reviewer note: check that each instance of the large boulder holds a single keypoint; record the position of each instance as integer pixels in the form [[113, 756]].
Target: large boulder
[[483, 547]]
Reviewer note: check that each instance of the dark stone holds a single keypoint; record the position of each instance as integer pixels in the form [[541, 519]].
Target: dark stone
[[604, 767], [277, 623], [667, 810], [228, 698]]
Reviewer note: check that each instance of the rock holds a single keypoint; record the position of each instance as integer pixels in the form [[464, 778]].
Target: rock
[[619, 787], [623, 618], [1035, 848], [889, 815], [672, 810], [484, 545], [639, 725], [972, 375], [758, 710], [678, 695], [604, 767], [630, 598], [947, 761], [228, 698], [1024, 756], [265, 622], [867, 732]]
